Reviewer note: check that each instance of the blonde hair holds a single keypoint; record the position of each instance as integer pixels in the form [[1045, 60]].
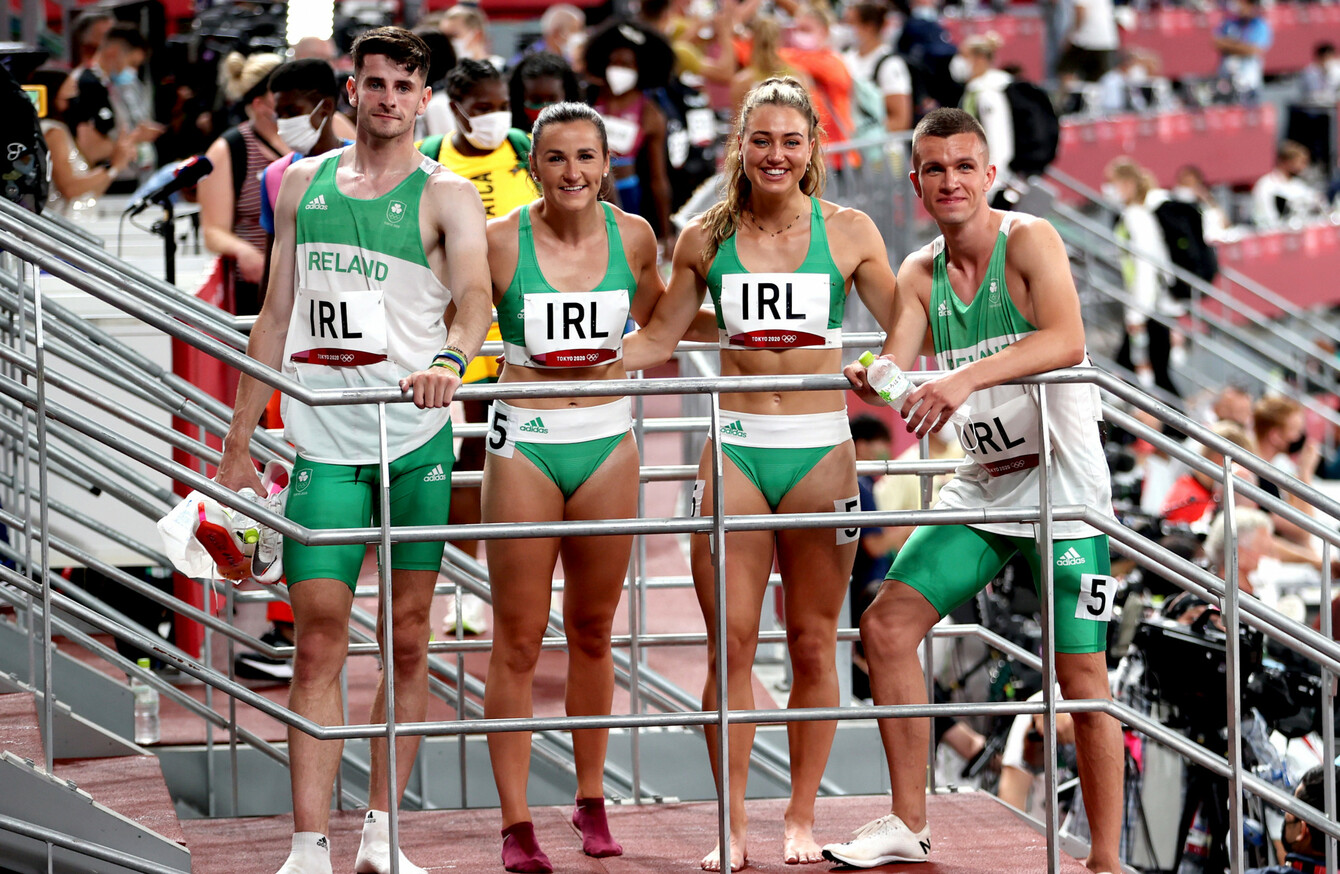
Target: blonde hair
[[242, 73], [984, 44], [720, 221], [766, 57], [1233, 433], [1126, 168]]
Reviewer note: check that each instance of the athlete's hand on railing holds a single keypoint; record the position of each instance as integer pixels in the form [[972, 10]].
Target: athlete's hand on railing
[[433, 388], [855, 373], [931, 404]]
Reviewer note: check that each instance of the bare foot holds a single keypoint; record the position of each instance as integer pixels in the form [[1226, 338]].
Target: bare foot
[[738, 855], [799, 846]]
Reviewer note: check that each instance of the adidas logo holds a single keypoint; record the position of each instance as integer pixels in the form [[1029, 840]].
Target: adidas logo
[[944, 310], [1070, 558], [372, 817], [535, 426], [318, 202], [323, 844], [436, 475], [734, 429]]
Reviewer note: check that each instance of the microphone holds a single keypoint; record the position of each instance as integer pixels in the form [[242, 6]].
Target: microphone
[[185, 176]]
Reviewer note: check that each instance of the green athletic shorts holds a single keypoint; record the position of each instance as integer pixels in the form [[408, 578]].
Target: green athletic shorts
[[348, 496], [949, 564], [570, 465], [774, 471]]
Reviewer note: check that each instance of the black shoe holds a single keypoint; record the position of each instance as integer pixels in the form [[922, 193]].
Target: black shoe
[[256, 666]]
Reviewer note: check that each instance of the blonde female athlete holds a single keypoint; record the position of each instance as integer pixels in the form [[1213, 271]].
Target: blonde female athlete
[[567, 272], [779, 263]]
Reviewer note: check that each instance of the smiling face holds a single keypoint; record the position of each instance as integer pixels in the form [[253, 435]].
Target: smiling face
[[776, 148], [570, 163], [387, 97], [952, 176]]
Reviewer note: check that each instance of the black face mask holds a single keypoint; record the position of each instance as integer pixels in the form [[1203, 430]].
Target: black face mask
[[1297, 446]]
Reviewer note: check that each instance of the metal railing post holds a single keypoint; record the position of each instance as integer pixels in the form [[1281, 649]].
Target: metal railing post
[[39, 354], [928, 643], [1232, 665], [388, 647], [718, 544], [1047, 572], [1328, 703], [635, 577]]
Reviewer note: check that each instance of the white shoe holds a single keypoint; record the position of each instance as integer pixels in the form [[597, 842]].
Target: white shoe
[[374, 853], [473, 616], [885, 840]]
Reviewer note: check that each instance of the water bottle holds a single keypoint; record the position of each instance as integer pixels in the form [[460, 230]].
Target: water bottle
[[1196, 850], [146, 709], [891, 384]]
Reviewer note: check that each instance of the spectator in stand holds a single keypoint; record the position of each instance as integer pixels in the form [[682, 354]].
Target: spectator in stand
[[1242, 41], [628, 59], [1254, 543], [105, 104], [1233, 404], [1195, 496], [928, 48], [541, 79], [765, 61], [811, 52], [672, 19], [1191, 188], [1319, 83], [86, 36], [230, 208], [1283, 195], [871, 59], [316, 48], [74, 184], [436, 119], [984, 98], [1090, 41], [1304, 845], [468, 29], [1122, 88], [1148, 344]]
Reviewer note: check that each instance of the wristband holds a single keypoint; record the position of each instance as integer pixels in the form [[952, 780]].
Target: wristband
[[453, 355], [449, 365]]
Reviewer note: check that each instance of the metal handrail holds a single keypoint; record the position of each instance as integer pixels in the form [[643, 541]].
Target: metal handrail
[[51, 837]]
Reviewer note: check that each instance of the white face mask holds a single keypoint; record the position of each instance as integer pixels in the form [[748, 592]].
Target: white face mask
[[1111, 193], [298, 133], [461, 46], [1137, 75], [488, 131], [1184, 194], [842, 36], [573, 46], [926, 13], [621, 79], [960, 68]]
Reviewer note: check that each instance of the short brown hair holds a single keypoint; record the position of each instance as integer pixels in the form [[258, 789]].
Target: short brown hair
[[945, 123], [399, 46], [1272, 412], [1289, 150]]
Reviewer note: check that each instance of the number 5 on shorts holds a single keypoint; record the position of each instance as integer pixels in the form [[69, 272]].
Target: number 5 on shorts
[[499, 438], [1096, 594]]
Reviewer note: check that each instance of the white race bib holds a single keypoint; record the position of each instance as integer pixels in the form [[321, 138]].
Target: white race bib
[[1004, 439], [775, 310], [339, 328], [702, 126], [621, 133], [575, 329]]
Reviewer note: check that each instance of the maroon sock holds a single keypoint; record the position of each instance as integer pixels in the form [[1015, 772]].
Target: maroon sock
[[521, 852], [589, 817]]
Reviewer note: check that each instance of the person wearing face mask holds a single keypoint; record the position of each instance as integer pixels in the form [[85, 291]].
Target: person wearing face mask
[[230, 196], [1283, 194], [629, 59], [984, 99], [1305, 845], [540, 80], [1319, 82], [467, 28], [106, 98]]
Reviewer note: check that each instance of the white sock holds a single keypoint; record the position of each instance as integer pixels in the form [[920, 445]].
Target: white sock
[[310, 855], [374, 853]]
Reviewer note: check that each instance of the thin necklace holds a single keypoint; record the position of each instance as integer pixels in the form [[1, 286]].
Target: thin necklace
[[775, 233]]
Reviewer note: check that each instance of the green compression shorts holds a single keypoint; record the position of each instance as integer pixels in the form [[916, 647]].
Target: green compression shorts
[[949, 564], [570, 465], [348, 496], [774, 471]]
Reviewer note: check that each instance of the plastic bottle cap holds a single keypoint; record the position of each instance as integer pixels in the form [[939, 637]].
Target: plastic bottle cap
[[144, 663], [251, 535], [867, 358]]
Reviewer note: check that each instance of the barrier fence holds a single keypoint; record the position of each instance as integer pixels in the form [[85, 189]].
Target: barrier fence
[[38, 441]]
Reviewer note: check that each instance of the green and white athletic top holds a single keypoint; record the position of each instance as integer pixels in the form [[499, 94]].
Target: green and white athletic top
[[544, 327], [780, 310], [1002, 440], [367, 311]]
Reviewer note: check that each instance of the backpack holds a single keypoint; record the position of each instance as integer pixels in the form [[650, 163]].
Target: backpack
[[518, 139], [1183, 234], [237, 154], [868, 111], [25, 162], [1037, 130]]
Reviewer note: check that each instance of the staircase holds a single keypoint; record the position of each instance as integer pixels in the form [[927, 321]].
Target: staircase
[[115, 803]]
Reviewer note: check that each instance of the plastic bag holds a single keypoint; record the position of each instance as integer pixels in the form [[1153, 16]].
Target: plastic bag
[[177, 529]]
